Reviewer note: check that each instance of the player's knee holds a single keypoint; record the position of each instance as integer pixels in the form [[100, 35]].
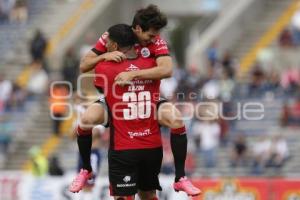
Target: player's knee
[[83, 131], [170, 116], [84, 120], [121, 198], [172, 121], [89, 121], [149, 195], [178, 131], [177, 123]]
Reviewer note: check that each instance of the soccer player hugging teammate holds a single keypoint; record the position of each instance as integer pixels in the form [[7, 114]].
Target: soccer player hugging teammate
[[135, 152], [146, 26]]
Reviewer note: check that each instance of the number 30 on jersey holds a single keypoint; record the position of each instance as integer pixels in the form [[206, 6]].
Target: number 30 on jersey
[[139, 105]]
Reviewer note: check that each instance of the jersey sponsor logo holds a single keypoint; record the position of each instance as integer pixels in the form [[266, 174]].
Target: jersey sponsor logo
[[160, 42], [162, 48], [142, 82], [132, 68], [126, 179], [145, 52], [139, 134]]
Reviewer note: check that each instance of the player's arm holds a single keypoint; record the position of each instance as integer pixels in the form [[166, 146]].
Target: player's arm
[[163, 70], [89, 61]]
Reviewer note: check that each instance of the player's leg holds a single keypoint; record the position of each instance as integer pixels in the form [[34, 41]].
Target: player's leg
[[122, 173], [123, 198], [148, 195], [170, 116], [95, 114], [149, 169]]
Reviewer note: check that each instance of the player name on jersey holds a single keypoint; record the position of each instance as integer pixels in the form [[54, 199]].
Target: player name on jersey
[[133, 88]]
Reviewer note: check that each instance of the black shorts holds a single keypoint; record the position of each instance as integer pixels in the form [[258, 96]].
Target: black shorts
[[133, 170]]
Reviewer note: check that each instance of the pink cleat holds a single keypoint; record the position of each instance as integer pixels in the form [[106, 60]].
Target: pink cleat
[[80, 180], [186, 186]]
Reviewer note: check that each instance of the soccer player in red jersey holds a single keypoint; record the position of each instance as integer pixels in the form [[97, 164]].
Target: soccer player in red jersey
[[146, 25], [135, 152]]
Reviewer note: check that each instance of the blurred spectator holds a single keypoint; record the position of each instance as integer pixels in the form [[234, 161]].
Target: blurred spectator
[[18, 98], [239, 152], [290, 114], [268, 61], [228, 64], [167, 87], [279, 152], [38, 81], [6, 130], [261, 154], [226, 86], [212, 54], [38, 162], [70, 69], [286, 39], [6, 89], [273, 83], [19, 12], [33, 79], [38, 46], [211, 89], [290, 80], [257, 86], [224, 128], [6, 7], [296, 28], [58, 105], [55, 168], [189, 84], [284, 115], [208, 133]]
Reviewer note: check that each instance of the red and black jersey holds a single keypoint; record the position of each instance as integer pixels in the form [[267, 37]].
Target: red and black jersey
[[154, 49], [131, 108]]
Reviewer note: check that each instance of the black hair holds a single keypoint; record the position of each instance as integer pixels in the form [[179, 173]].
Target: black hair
[[122, 34], [150, 17]]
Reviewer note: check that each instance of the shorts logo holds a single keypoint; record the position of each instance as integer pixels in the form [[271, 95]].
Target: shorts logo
[[126, 179], [145, 52]]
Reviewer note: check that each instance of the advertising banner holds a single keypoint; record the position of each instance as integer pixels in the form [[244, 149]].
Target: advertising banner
[[21, 186], [286, 190]]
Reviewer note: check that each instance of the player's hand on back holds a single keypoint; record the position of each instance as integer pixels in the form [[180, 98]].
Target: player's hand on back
[[124, 78], [115, 56]]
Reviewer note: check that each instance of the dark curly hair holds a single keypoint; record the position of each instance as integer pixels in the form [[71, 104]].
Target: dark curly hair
[[149, 17], [122, 34]]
